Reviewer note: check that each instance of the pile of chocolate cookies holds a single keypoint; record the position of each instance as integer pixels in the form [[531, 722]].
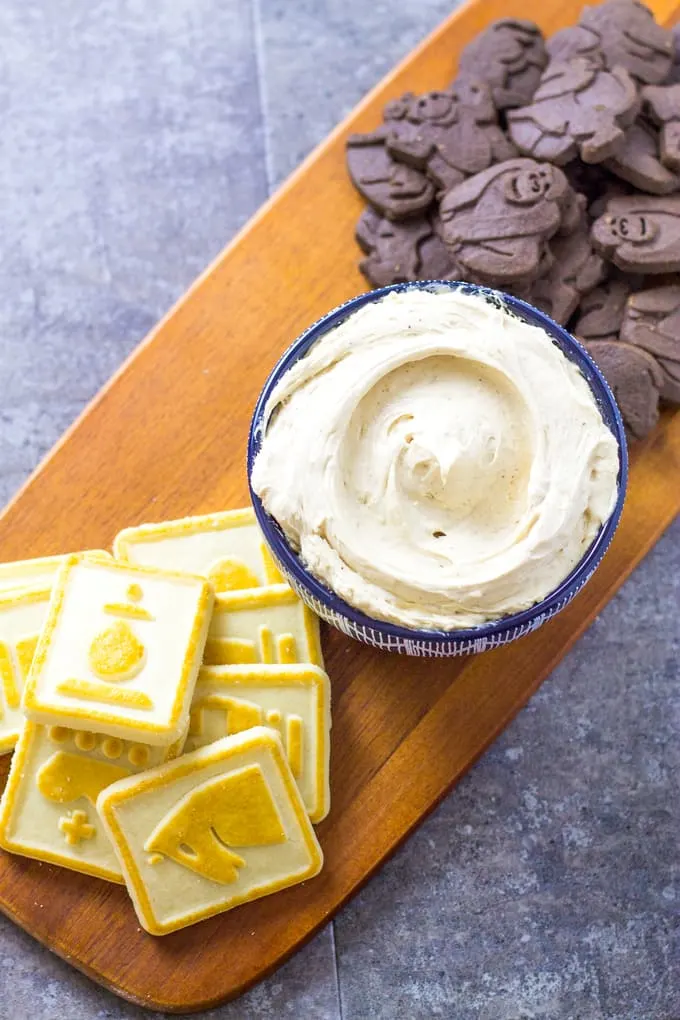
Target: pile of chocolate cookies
[[550, 170]]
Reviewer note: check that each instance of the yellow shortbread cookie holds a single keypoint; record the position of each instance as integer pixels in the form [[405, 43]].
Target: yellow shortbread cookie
[[48, 807], [262, 625], [120, 651], [227, 548], [22, 615], [214, 829], [39, 572], [294, 700]]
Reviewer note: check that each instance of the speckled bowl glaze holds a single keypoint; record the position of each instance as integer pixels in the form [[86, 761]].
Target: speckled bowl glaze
[[437, 643]]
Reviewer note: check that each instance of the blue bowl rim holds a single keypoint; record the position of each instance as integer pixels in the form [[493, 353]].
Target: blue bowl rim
[[548, 605]]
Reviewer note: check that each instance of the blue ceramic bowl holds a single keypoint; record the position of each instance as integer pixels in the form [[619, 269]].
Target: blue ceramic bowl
[[390, 636]]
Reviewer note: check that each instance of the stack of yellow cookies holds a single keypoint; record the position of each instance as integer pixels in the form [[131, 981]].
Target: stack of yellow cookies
[[170, 716]]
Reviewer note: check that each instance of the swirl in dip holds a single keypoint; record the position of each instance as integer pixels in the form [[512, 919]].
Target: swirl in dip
[[437, 461]]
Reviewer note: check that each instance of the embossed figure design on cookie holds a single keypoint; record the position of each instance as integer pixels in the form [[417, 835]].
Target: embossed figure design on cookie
[[116, 654], [229, 651], [76, 828], [579, 109], [239, 714], [57, 773], [262, 625], [120, 650], [621, 32], [234, 810], [67, 777]]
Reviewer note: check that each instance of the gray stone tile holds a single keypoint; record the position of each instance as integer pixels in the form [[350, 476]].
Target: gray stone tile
[[320, 57], [36, 985], [548, 883], [132, 151]]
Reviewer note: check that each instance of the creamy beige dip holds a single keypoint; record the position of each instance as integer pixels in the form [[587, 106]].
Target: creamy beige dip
[[437, 461]]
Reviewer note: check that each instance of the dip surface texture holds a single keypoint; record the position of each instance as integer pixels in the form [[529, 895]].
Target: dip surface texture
[[437, 461]]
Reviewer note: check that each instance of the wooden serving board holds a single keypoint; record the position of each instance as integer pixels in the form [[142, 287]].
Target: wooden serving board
[[167, 437]]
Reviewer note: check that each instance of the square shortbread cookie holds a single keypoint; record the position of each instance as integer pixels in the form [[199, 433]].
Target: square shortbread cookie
[[120, 651], [216, 828]]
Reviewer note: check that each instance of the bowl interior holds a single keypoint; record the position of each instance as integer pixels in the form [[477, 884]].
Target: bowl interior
[[291, 562]]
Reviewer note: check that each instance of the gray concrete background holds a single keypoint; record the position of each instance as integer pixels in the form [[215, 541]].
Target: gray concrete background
[[136, 138]]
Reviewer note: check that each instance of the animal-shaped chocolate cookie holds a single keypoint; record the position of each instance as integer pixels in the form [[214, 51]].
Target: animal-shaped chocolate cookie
[[401, 252], [640, 233], [638, 160], [396, 190], [576, 270], [580, 109], [663, 105], [635, 379], [509, 55], [625, 33], [496, 223], [451, 134], [652, 321], [601, 311]]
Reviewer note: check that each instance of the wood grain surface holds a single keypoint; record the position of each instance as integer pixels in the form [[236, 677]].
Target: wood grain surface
[[167, 437]]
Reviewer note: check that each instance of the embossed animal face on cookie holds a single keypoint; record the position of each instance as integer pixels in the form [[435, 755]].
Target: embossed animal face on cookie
[[579, 109], [496, 223], [434, 108], [451, 134], [527, 186], [510, 55], [640, 233]]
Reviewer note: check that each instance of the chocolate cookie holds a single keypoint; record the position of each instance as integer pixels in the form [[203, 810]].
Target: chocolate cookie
[[496, 223], [451, 134], [663, 104], [576, 270], [625, 34], [640, 233], [652, 321], [635, 379], [601, 311], [396, 190], [673, 77], [509, 55], [580, 109], [638, 160], [401, 252]]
